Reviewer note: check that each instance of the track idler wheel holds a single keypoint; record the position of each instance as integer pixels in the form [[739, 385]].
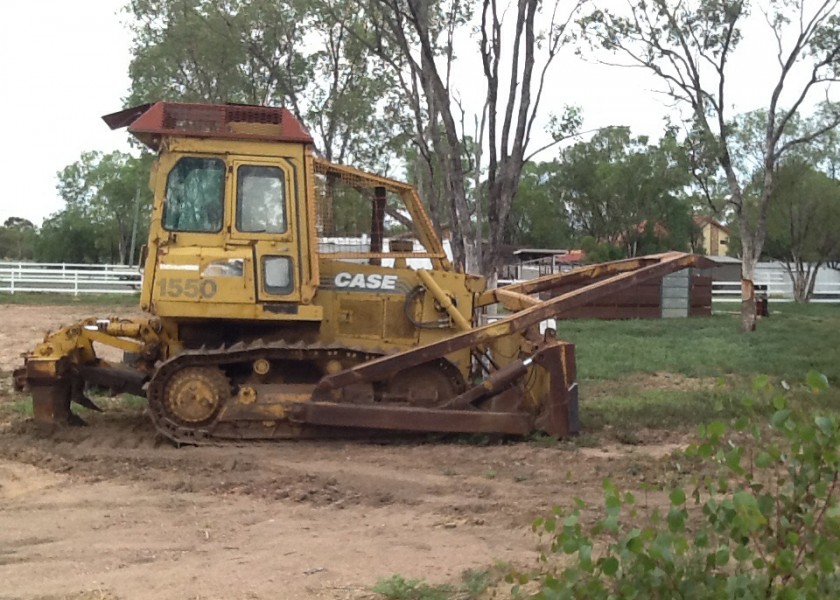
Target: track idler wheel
[[194, 395], [426, 385]]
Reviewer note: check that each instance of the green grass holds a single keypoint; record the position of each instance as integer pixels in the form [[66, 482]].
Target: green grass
[[636, 409], [709, 365], [54, 298], [20, 407], [794, 340]]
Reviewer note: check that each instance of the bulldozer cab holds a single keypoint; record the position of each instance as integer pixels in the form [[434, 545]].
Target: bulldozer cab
[[230, 230]]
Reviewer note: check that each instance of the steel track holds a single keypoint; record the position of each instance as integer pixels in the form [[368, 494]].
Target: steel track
[[224, 357]]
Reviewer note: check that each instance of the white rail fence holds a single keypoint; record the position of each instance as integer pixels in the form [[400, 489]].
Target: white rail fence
[[78, 279], [68, 278], [776, 291]]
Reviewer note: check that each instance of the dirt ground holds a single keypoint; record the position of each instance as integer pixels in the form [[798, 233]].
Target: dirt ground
[[112, 511]]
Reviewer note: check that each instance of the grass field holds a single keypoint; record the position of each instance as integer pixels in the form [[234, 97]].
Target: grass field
[[793, 340], [678, 373]]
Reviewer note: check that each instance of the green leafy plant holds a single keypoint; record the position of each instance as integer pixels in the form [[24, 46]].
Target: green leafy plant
[[397, 587], [761, 520], [474, 583]]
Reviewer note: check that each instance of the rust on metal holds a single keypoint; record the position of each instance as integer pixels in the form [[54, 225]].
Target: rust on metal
[[51, 402], [585, 273], [400, 418], [233, 121], [559, 417], [377, 222], [491, 385]]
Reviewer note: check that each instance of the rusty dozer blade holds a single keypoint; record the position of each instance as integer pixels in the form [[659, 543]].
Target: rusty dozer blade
[[487, 407]]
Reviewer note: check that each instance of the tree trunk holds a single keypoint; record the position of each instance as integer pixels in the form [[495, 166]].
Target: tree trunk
[[472, 256], [800, 277], [803, 277], [748, 262], [502, 192], [812, 280]]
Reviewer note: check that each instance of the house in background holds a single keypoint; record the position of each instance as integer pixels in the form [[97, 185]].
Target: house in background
[[715, 237]]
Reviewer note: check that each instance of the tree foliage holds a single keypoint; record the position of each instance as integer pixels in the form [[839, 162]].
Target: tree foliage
[[623, 191], [293, 53], [539, 215], [613, 196], [17, 239], [106, 198], [804, 223]]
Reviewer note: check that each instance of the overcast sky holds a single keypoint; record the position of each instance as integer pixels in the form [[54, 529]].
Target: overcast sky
[[65, 64]]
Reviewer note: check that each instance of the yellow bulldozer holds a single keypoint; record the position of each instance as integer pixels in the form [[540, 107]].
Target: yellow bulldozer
[[289, 296]]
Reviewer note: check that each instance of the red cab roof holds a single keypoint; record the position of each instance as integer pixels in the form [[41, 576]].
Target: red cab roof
[[151, 122]]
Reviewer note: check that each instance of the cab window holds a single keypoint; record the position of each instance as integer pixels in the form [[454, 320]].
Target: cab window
[[260, 199], [195, 195]]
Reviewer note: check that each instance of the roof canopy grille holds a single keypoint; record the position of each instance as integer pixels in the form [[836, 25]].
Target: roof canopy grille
[[150, 122]]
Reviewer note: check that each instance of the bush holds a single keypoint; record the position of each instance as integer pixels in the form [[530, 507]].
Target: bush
[[761, 519]]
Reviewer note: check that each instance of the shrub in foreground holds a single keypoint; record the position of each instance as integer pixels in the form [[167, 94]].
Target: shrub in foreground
[[761, 520]]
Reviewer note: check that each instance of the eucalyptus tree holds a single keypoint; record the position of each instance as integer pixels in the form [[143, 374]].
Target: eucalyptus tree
[[293, 53], [17, 239], [540, 215], [689, 45], [416, 39], [107, 203]]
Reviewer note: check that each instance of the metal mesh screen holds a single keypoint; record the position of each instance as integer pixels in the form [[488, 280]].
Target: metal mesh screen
[[364, 218]]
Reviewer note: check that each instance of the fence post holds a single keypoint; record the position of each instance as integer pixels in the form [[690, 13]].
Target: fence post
[[75, 283], [12, 280]]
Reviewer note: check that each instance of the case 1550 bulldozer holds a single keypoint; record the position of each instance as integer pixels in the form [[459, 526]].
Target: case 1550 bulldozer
[[268, 319]]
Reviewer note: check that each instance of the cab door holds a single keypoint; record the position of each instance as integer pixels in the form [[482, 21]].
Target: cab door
[[264, 218], [191, 269]]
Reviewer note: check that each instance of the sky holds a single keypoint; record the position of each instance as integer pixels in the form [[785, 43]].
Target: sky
[[64, 64]]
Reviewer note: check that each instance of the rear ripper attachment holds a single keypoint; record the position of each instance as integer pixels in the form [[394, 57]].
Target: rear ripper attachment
[[289, 296]]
